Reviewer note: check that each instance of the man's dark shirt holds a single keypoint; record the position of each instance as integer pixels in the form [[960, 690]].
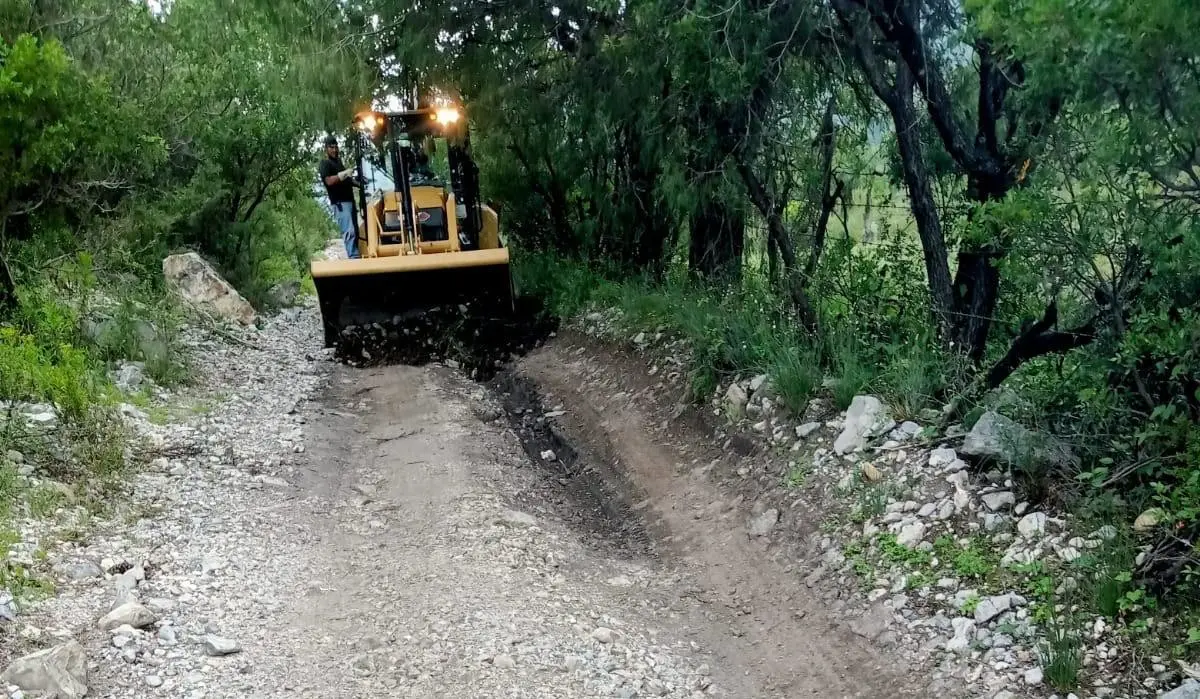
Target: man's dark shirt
[[342, 191]]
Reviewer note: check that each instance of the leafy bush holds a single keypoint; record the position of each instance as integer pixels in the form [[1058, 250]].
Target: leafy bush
[[61, 375], [733, 334]]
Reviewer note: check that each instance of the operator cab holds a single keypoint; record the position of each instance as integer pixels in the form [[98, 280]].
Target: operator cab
[[440, 195]]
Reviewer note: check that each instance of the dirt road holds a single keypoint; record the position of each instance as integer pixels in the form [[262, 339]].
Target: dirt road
[[446, 553], [483, 574], [326, 531]]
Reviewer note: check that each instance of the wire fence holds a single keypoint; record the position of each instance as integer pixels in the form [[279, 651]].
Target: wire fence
[[873, 224]]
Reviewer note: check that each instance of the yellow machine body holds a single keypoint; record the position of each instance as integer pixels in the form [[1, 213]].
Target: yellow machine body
[[400, 272]]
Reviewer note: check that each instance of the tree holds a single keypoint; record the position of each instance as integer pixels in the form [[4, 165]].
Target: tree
[[60, 159]]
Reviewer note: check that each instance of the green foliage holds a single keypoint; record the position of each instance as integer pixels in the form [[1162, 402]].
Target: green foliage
[[44, 500], [972, 561], [796, 476], [898, 553], [127, 135], [918, 375], [796, 374], [139, 135], [24, 585], [729, 334], [59, 375], [852, 372], [1061, 654], [565, 291], [10, 482], [47, 142], [142, 332]]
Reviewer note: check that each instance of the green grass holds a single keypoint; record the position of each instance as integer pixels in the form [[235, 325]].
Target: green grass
[[796, 476], [36, 371], [795, 373], [1061, 654], [852, 372], [23, 584], [915, 377], [741, 332], [973, 561], [896, 552], [870, 499], [43, 500], [9, 487]]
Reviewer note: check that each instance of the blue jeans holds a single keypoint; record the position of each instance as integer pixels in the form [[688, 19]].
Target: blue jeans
[[343, 214]]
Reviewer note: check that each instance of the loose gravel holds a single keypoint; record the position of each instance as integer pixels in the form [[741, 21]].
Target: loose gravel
[[327, 531]]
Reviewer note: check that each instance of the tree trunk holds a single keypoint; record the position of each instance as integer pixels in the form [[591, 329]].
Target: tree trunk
[[718, 238], [828, 194], [796, 284], [977, 279], [920, 194], [772, 258], [8, 289]]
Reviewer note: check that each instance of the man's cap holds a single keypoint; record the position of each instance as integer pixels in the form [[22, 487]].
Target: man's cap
[[331, 141]]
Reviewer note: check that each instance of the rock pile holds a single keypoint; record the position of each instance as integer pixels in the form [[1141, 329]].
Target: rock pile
[[475, 340]]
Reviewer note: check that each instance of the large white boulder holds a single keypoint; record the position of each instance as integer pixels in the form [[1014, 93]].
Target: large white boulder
[[997, 438], [1190, 689], [59, 672], [736, 400], [865, 419], [198, 283]]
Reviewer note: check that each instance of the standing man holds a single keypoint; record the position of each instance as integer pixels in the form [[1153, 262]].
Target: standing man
[[339, 184]]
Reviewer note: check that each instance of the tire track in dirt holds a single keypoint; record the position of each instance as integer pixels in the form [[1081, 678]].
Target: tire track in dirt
[[744, 606]]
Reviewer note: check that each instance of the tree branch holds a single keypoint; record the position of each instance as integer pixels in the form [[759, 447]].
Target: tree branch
[[828, 197], [897, 24], [1038, 341], [797, 286]]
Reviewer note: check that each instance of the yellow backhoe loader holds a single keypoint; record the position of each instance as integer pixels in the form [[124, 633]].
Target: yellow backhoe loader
[[424, 242]]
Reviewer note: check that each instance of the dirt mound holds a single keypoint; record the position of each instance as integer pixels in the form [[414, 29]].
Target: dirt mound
[[478, 341]]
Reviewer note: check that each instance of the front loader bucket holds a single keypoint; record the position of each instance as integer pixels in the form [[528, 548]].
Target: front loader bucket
[[385, 289]]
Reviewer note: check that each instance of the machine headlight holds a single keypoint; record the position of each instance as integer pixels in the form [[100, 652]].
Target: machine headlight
[[446, 115], [367, 123]]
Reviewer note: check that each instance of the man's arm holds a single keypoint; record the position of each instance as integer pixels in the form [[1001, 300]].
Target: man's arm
[[328, 176]]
